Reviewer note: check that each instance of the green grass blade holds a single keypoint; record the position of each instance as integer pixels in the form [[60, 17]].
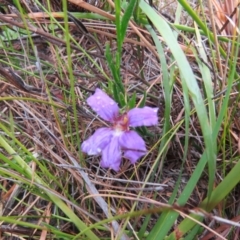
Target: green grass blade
[[189, 78], [232, 179], [125, 19], [31, 175], [160, 231], [200, 23], [222, 190]]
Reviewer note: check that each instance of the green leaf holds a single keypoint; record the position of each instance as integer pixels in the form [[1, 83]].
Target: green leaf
[[191, 83], [143, 101], [132, 101], [125, 19], [31, 175], [113, 65], [122, 101]]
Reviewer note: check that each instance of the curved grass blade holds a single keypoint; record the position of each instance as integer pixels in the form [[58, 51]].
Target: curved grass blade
[[29, 173], [189, 79]]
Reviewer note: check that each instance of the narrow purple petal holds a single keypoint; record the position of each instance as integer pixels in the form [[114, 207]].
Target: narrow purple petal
[[145, 116], [132, 145], [97, 142], [103, 105], [111, 155]]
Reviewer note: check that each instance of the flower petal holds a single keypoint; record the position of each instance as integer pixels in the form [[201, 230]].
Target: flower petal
[[97, 142], [111, 155], [132, 145], [145, 116], [103, 105]]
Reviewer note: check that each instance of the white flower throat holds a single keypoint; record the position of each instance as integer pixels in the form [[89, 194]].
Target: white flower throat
[[121, 124]]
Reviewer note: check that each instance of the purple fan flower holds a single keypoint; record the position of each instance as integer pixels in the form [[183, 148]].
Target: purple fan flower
[[119, 138]]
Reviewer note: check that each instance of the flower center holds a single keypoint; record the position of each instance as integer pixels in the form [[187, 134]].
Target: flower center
[[121, 124]]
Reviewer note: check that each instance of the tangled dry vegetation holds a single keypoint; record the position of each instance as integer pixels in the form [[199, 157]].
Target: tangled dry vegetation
[[38, 109]]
